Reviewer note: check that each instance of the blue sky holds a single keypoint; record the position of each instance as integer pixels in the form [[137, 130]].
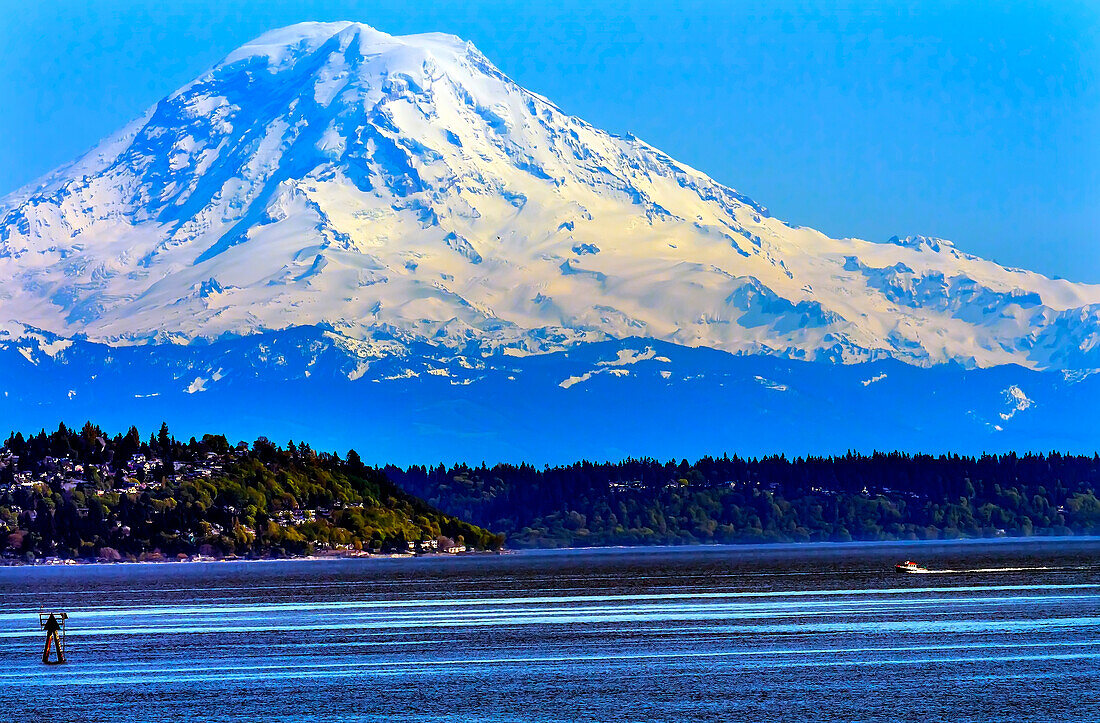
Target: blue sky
[[975, 121]]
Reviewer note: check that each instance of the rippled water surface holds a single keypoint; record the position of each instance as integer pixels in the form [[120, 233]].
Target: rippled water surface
[[998, 631]]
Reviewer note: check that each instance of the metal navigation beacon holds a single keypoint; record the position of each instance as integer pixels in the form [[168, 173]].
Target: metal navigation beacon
[[54, 625]]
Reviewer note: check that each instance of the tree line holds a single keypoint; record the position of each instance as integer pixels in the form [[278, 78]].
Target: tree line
[[85, 494], [882, 496]]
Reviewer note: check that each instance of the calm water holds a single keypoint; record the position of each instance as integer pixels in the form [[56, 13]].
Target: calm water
[[1003, 632]]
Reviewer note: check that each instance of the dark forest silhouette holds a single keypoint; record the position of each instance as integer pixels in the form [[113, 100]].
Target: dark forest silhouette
[[774, 499]]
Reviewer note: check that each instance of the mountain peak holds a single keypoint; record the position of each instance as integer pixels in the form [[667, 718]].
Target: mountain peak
[[918, 242], [329, 174], [286, 45]]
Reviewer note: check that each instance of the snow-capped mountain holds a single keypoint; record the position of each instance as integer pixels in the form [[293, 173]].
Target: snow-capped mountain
[[397, 191]]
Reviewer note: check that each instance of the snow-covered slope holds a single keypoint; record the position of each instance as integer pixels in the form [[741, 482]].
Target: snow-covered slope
[[402, 189]]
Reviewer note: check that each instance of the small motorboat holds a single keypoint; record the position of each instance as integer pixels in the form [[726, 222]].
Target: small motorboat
[[909, 566]]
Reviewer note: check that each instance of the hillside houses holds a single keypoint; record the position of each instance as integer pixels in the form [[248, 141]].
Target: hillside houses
[[81, 495]]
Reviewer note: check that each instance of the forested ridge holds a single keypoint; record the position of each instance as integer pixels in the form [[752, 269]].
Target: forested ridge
[[774, 499], [82, 494]]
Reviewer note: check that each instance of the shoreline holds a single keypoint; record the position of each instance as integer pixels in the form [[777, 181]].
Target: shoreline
[[608, 549], [597, 550], [213, 560]]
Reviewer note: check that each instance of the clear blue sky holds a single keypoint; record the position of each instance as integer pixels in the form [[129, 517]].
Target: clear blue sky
[[975, 121]]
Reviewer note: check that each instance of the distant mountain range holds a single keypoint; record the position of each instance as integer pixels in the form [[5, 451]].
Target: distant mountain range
[[335, 218]]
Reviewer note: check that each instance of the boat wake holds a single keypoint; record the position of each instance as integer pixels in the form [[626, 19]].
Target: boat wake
[[993, 569]]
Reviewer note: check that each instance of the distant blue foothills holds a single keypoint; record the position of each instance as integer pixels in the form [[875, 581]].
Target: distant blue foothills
[[554, 408]]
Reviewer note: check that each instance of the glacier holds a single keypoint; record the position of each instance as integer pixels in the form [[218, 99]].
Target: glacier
[[403, 206]]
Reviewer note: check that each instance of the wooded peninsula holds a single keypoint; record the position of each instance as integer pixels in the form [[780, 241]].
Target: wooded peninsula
[[83, 495]]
